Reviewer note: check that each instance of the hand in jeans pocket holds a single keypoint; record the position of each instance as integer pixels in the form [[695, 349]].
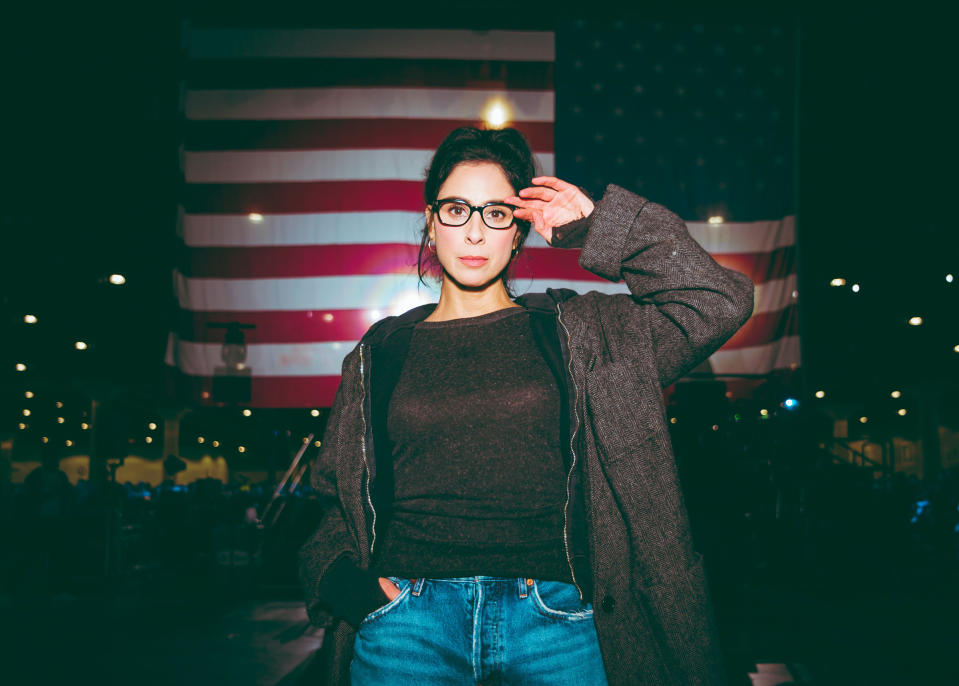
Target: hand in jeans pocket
[[389, 588]]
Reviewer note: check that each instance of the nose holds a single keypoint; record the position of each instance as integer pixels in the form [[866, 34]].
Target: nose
[[475, 229]]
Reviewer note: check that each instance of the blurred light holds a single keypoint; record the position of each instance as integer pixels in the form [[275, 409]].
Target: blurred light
[[59, 404], [948, 278], [28, 394], [30, 318], [790, 403], [306, 439], [496, 113], [44, 439], [895, 394], [148, 439], [316, 443], [256, 217], [200, 439], [672, 420], [80, 345], [117, 279], [241, 449], [863, 420], [820, 394], [915, 321], [736, 417], [374, 315], [26, 413], [69, 443], [247, 412], [837, 282], [60, 420], [795, 294], [716, 220], [855, 288], [315, 413], [902, 412], [21, 367], [216, 444], [715, 427], [84, 426], [205, 395], [328, 317], [22, 425], [956, 348], [764, 413], [153, 426]]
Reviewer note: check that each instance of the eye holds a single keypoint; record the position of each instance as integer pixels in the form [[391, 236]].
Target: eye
[[498, 212]]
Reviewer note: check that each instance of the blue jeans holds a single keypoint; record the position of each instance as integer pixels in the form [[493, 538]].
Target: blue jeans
[[479, 630]]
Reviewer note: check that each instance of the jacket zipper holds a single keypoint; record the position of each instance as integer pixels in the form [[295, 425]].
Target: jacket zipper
[[572, 466], [366, 465]]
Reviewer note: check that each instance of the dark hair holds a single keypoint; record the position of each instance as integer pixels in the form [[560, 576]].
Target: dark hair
[[505, 147]]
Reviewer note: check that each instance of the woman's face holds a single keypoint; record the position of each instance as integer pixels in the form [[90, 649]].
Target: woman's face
[[477, 183]]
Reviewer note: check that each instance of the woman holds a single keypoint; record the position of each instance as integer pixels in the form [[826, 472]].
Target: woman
[[492, 466]]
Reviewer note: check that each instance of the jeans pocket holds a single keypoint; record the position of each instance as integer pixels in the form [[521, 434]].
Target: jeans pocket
[[559, 600], [405, 586]]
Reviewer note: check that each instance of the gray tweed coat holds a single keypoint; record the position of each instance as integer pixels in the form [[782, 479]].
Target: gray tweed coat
[[653, 611]]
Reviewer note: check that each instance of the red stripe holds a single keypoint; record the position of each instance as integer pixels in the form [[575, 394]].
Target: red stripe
[[289, 261], [765, 328], [266, 391], [329, 72], [307, 196], [263, 262], [293, 326], [762, 267], [340, 134]]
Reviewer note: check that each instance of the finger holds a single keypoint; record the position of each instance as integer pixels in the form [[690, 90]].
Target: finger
[[538, 192], [531, 204], [551, 181]]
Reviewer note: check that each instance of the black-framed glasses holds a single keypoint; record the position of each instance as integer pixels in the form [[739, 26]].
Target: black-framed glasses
[[456, 212]]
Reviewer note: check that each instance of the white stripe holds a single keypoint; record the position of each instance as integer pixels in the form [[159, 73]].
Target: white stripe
[[760, 359], [775, 294], [322, 228], [384, 292], [385, 43], [263, 359], [366, 103], [265, 166], [321, 359], [336, 228], [745, 237]]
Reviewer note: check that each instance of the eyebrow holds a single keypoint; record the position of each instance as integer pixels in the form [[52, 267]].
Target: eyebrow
[[486, 202]]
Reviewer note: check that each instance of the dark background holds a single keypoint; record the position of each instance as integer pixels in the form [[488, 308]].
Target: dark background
[[91, 178]]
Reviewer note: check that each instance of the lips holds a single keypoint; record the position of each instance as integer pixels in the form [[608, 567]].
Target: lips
[[473, 261]]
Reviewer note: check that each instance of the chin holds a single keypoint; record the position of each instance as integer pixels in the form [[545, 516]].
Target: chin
[[473, 281]]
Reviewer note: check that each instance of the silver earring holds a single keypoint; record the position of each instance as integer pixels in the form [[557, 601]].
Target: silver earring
[[431, 244]]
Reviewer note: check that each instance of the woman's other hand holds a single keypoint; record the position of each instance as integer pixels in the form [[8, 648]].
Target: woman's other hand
[[552, 202], [389, 588]]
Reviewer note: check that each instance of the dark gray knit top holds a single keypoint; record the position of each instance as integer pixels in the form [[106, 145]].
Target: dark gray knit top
[[479, 478]]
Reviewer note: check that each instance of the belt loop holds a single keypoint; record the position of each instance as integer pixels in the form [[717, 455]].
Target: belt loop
[[524, 585], [418, 585]]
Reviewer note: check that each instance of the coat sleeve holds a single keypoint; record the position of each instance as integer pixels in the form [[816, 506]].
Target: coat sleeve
[[340, 589], [688, 302]]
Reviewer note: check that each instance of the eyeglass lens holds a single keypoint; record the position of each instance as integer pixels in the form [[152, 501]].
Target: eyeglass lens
[[458, 213]]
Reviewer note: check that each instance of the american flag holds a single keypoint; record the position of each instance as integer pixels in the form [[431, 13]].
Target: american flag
[[303, 154]]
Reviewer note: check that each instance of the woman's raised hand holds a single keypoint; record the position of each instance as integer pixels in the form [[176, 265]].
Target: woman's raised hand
[[552, 202]]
